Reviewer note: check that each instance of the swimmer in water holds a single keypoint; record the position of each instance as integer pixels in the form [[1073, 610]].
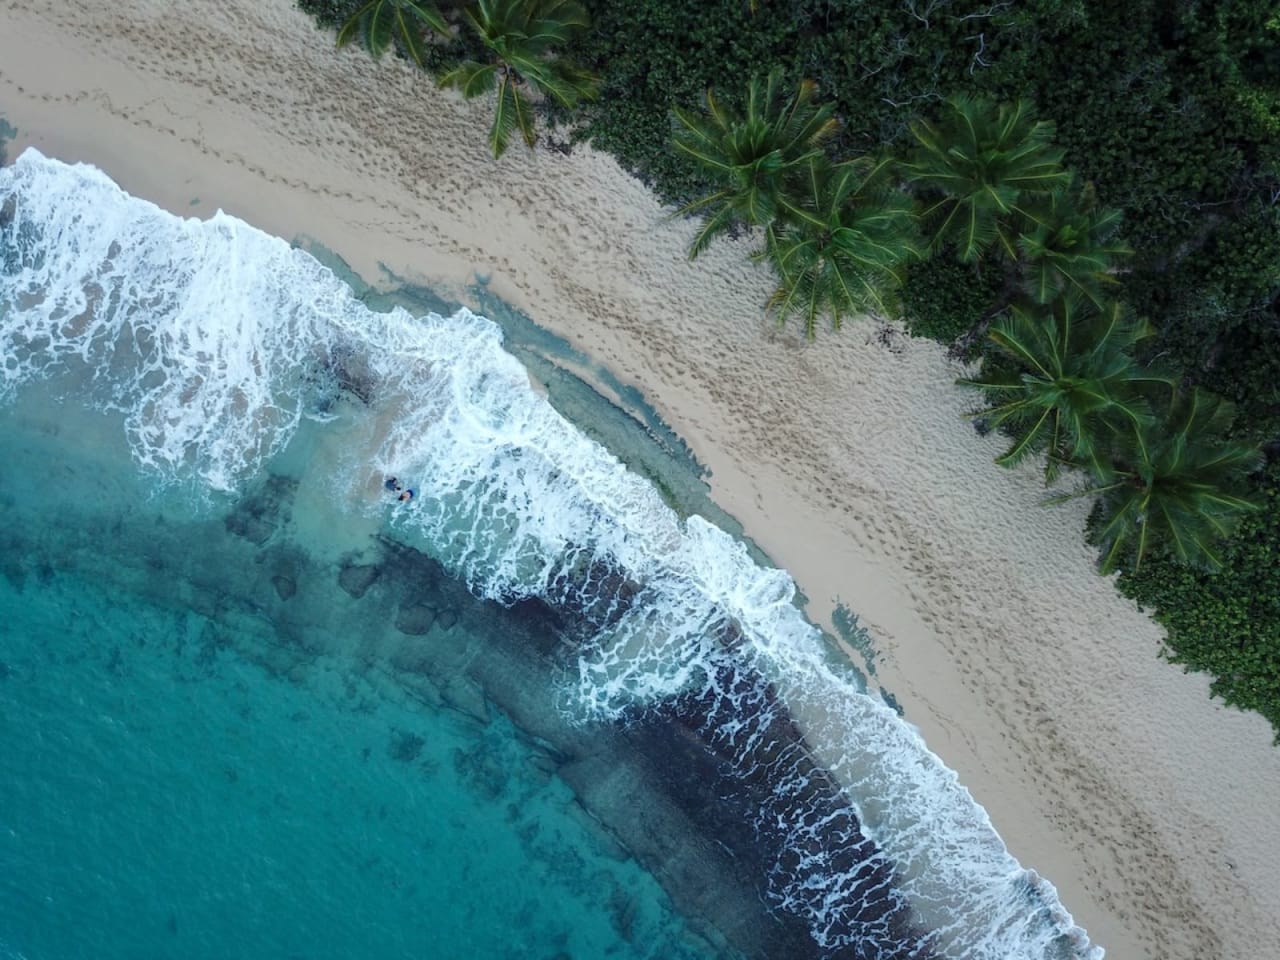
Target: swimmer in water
[[405, 496], [393, 485]]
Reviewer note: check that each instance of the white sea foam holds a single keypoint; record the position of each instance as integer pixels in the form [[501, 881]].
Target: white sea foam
[[214, 340]]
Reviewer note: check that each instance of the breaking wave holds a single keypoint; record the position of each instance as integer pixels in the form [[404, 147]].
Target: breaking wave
[[213, 341]]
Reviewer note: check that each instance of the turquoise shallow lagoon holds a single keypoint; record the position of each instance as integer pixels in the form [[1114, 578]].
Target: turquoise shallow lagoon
[[253, 705]]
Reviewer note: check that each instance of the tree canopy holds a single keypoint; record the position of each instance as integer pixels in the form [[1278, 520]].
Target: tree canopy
[[1072, 385], [758, 157], [1176, 485], [381, 23], [841, 248], [524, 40], [979, 166]]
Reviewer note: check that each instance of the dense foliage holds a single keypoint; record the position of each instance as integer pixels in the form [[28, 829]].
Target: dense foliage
[[840, 250], [1168, 115], [1072, 387], [980, 170], [761, 156], [523, 39], [1173, 486], [380, 24], [1226, 623]]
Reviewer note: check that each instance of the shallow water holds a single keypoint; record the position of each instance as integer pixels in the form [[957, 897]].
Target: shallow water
[[179, 784], [555, 675]]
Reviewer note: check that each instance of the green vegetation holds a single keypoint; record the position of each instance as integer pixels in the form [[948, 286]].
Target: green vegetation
[[1228, 622], [1069, 246], [513, 49], [380, 23], [1072, 389], [978, 168], [1144, 184], [522, 37], [761, 158], [951, 302], [1170, 485], [839, 250]]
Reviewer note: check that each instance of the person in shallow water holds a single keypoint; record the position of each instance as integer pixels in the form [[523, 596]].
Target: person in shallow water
[[405, 496], [393, 485]]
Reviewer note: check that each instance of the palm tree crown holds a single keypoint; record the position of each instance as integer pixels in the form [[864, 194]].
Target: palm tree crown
[[1075, 385], [380, 22], [755, 155], [522, 37], [1174, 486], [1069, 244], [979, 164], [842, 247]]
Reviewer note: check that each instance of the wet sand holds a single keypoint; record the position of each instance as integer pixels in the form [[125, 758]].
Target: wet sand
[[1104, 768]]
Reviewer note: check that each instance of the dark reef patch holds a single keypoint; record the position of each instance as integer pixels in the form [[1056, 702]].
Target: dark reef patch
[[357, 578], [416, 620], [263, 512], [697, 809]]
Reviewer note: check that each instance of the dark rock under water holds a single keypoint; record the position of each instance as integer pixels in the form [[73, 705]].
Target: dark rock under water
[[700, 810], [697, 809]]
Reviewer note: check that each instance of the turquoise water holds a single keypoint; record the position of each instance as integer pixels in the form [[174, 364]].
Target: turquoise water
[[251, 704], [178, 784], [168, 798]]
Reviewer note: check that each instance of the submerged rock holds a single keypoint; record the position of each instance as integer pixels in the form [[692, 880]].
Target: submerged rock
[[358, 578], [421, 689], [481, 772], [254, 529], [416, 620], [405, 746], [285, 587], [622, 912], [261, 513], [350, 368], [467, 698]]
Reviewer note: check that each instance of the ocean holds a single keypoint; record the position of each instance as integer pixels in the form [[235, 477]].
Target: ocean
[[253, 704]]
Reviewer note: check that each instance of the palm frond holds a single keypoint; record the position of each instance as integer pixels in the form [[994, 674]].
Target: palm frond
[[844, 255], [757, 155], [1075, 360], [979, 163], [1067, 244], [471, 79], [513, 114], [1179, 486], [381, 22], [522, 37]]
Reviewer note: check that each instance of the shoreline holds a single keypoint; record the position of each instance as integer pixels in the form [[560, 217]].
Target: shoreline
[[1105, 769]]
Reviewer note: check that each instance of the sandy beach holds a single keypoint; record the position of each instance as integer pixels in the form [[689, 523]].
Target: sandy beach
[[1107, 770]]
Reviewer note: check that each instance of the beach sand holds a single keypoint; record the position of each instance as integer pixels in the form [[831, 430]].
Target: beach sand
[[1149, 806]]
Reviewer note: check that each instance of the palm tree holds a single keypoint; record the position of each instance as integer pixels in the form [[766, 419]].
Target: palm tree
[[755, 155], [1174, 485], [1075, 385], [1069, 244], [379, 22], [841, 248], [522, 37], [977, 167]]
